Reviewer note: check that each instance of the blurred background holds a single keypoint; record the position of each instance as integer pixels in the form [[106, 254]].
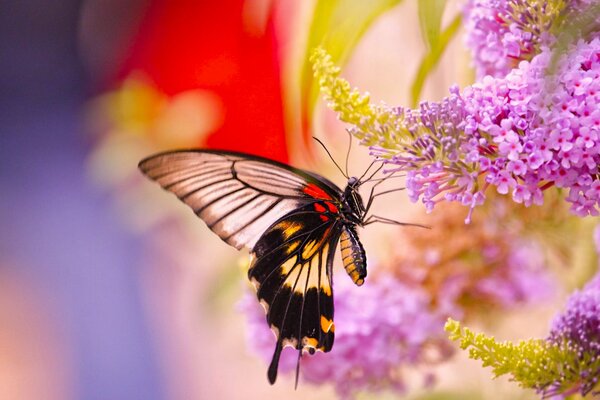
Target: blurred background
[[111, 289]]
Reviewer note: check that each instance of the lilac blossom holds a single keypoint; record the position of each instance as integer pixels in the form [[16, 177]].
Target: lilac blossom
[[495, 49], [521, 278], [382, 328], [578, 328], [502, 33], [395, 320], [522, 134]]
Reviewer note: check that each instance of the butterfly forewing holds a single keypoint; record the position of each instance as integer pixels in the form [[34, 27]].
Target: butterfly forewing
[[238, 196]]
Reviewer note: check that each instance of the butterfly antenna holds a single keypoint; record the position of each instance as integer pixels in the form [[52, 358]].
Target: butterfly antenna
[[348, 152], [329, 154], [367, 171], [379, 181], [374, 173], [385, 178]]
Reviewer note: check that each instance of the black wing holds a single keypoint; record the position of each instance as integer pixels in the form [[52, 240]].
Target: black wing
[[238, 195], [289, 218], [292, 272]]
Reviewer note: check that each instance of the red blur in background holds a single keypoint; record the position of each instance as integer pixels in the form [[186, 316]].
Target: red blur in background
[[228, 48]]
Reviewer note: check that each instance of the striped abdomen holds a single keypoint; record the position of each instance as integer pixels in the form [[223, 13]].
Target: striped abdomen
[[353, 255]]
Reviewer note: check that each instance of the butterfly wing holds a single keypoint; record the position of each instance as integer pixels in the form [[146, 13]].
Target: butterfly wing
[[292, 271], [237, 195], [288, 217]]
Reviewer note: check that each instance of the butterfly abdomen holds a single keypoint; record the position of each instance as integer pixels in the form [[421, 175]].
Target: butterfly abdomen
[[353, 255]]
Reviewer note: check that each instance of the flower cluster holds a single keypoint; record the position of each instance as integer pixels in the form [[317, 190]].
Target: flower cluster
[[567, 362], [492, 263], [393, 322], [382, 329], [578, 328], [502, 33], [520, 134]]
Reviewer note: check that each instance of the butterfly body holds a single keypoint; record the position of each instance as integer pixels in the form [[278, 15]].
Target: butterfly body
[[290, 219]]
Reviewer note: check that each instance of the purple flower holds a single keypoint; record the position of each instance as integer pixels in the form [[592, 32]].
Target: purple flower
[[522, 278], [381, 328], [578, 328], [501, 33], [522, 133]]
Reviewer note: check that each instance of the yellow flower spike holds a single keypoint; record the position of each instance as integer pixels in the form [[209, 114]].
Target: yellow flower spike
[[535, 363], [371, 122]]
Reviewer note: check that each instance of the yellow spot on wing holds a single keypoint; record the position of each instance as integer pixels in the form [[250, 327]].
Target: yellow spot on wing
[[288, 265], [309, 276], [288, 228], [292, 278], [309, 249], [313, 246], [292, 246], [325, 284]]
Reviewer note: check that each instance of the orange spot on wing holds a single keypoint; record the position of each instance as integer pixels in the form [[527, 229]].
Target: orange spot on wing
[[310, 342], [314, 191], [327, 324]]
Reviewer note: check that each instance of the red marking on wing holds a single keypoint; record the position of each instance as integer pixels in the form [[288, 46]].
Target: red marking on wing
[[331, 207], [324, 218], [319, 207], [314, 191]]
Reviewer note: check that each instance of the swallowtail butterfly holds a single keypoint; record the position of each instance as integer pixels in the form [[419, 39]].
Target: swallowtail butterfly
[[291, 220]]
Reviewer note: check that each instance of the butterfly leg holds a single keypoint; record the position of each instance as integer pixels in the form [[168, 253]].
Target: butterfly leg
[[372, 196], [374, 218]]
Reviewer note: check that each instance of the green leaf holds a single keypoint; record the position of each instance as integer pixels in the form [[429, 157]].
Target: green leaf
[[337, 26], [431, 59], [430, 19]]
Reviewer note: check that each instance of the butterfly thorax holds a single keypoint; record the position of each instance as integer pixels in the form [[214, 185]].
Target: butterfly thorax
[[353, 253], [353, 208]]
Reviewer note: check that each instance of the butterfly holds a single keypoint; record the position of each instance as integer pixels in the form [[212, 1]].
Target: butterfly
[[291, 220]]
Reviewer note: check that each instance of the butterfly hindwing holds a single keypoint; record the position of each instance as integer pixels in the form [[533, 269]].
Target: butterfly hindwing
[[291, 270], [238, 196]]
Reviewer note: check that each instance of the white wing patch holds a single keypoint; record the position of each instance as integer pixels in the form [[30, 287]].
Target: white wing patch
[[238, 197]]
